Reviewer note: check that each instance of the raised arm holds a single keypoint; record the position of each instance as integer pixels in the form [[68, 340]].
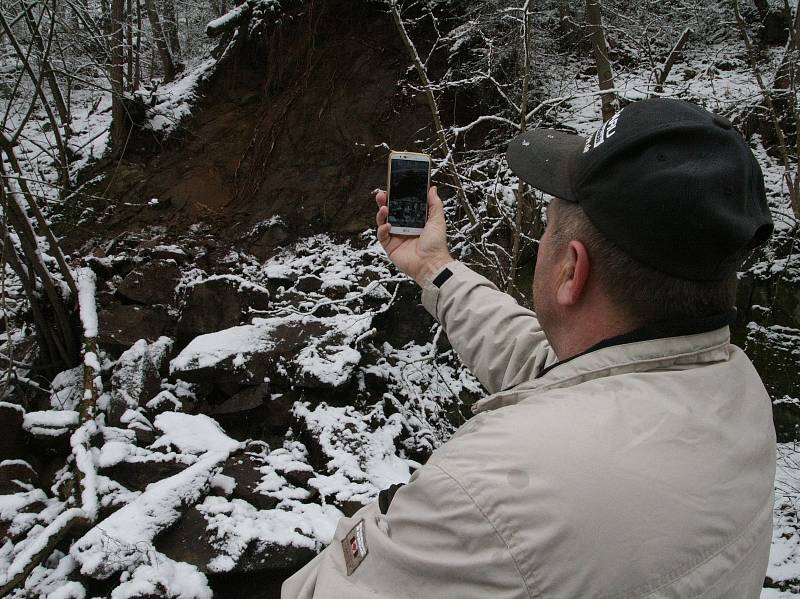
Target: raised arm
[[500, 341]]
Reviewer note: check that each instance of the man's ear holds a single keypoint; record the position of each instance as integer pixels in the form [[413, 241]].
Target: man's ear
[[573, 274]]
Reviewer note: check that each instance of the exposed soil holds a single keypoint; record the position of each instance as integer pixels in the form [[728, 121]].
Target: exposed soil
[[298, 127]]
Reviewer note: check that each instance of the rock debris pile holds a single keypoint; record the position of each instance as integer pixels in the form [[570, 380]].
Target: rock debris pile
[[246, 407]]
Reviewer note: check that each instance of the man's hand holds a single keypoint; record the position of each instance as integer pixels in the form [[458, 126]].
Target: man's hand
[[418, 257]]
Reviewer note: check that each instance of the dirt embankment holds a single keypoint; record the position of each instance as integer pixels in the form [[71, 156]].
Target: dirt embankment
[[297, 126]]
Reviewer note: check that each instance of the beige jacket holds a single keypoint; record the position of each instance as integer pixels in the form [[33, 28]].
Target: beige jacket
[[638, 470]]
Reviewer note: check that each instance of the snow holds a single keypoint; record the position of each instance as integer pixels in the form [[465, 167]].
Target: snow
[[333, 366], [289, 458], [50, 422], [235, 524], [224, 483], [174, 100], [127, 534], [11, 505], [164, 398], [49, 579], [210, 349], [81, 443], [361, 457], [37, 540], [86, 280], [239, 281], [228, 17], [164, 577], [113, 452], [189, 433]]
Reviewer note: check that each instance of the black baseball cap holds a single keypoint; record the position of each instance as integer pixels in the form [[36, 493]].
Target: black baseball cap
[[671, 184]]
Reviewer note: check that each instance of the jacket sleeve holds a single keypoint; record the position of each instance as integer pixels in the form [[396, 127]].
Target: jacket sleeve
[[433, 541], [500, 341]]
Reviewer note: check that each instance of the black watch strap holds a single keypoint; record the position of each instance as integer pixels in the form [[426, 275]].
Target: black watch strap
[[442, 277]]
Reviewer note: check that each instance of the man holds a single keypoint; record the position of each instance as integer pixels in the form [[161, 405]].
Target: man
[[627, 449]]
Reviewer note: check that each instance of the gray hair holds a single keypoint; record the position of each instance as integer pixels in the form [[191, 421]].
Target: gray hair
[[642, 294]]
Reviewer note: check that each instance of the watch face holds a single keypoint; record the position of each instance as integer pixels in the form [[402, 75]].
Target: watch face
[[408, 193]]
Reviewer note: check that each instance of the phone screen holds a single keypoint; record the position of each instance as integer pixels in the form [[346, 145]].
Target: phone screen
[[408, 193]]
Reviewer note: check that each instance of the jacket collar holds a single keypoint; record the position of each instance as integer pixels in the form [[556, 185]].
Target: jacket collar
[[651, 347]]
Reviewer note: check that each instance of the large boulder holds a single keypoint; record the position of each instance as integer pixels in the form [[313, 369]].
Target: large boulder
[[406, 320], [243, 403], [216, 303], [67, 389], [122, 325], [137, 375], [12, 438], [136, 474], [245, 467], [50, 430], [152, 283], [16, 475], [223, 535], [354, 453], [295, 350]]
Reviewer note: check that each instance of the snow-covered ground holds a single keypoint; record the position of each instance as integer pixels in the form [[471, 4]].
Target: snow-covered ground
[[363, 447]]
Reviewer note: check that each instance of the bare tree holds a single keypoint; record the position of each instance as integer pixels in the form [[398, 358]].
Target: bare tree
[[167, 62], [516, 244], [791, 167], [605, 73], [47, 70], [119, 123], [37, 79], [444, 145], [171, 27]]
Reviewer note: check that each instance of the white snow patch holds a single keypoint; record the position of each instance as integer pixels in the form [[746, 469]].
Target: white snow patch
[[164, 577], [192, 433], [124, 539], [235, 524], [86, 280]]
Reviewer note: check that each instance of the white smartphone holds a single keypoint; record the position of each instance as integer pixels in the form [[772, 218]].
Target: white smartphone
[[408, 181]]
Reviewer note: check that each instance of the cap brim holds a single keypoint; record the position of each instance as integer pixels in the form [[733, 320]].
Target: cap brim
[[545, 159]]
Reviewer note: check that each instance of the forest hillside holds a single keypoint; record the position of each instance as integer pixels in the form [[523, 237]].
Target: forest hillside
[[207, 358]]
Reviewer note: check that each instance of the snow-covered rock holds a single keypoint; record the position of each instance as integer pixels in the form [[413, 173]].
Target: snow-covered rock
[[11, 434], [50, 430], [216, 303], [305, 350], [124, 539], [355, 454], [137, 375], [192, 433], [121, 325], [67, 389], [152, 283]]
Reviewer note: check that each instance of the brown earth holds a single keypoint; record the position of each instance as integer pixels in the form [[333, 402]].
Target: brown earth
[[298, 127]]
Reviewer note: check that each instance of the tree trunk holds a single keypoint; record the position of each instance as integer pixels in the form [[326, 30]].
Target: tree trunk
[[171, 28], [163, 49], [129, 45], [119, 125], [605, 74], [671, 58], [516, 243], [137, 57], [762, 6]]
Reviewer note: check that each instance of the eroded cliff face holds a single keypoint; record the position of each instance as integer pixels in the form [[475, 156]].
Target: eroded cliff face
[[295, 127]]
